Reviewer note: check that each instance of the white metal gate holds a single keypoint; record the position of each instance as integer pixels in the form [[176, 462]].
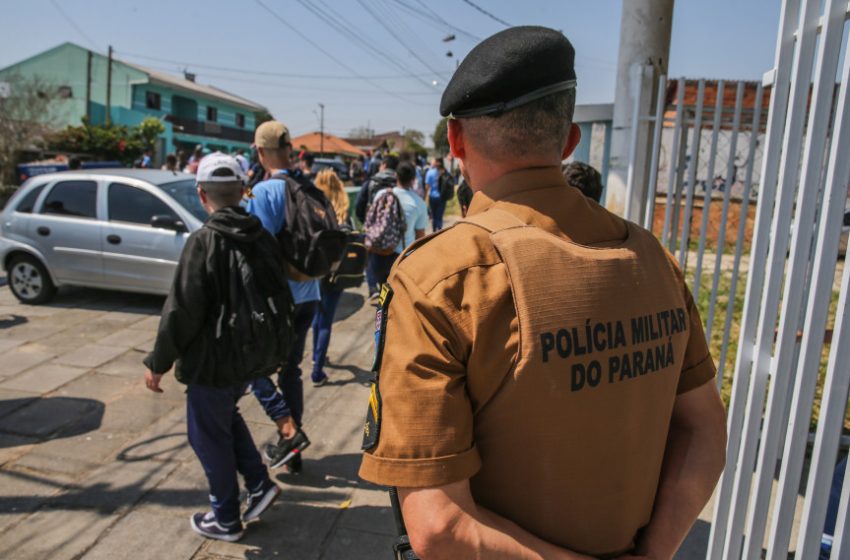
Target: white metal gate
[[789, 164]]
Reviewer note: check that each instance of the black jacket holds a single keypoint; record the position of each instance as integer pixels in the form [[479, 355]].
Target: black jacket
[[186, 330]]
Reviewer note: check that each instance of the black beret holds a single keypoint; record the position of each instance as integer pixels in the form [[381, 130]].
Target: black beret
[[509, 69]]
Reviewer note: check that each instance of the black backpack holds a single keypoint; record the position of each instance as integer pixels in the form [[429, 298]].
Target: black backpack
[[447, 187], [253, 329], [311, 240], [351, 270]]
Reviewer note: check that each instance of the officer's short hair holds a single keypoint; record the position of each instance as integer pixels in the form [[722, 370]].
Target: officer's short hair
[[406, 173], [585, 178], [539, 126]]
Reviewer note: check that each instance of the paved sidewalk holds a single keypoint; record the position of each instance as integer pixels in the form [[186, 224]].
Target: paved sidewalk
[[92, 465]]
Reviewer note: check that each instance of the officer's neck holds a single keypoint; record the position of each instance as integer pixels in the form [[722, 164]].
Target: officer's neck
[[480, 172]]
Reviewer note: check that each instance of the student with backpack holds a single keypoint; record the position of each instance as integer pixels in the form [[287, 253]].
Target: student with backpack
[[297, 213], [349, 274], [227, 321]]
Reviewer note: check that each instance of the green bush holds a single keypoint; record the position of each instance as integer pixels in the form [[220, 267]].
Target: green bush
[[108, 143]]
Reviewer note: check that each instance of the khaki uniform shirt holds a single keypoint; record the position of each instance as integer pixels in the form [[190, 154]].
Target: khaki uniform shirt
[[541, 363]]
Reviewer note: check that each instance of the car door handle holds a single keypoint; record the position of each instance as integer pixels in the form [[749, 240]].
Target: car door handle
[[114, 239], [45, 231]]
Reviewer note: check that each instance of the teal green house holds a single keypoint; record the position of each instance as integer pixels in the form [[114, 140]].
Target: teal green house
[[192, 113]]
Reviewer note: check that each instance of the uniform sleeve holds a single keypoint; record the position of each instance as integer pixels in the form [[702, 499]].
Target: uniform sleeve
[[698, 366], [425, 435]]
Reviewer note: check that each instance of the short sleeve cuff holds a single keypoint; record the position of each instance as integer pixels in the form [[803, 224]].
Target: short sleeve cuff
[[697, 375], [420, 473]]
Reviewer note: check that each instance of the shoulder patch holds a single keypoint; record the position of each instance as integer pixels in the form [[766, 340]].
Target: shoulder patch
[[372, 427]]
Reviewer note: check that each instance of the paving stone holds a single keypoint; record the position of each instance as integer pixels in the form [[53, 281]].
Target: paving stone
[[22, 493], [128, 364], [125, 338], [150, 324], [12, 447], [165, 440], [182, 493], [90, 356], [43, 378], [136, 411], [98, 386], [24, 357], [54, 534], [357, 545], [6, 345], [148, 535], [370, 511], [74, 455], [147, 345]]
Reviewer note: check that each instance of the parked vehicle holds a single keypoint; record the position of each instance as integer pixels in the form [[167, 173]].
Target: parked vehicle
[[321, 163], [118, 229]]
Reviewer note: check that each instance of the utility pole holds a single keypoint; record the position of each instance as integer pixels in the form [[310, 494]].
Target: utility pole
[[322, 128], [88, 88], [109, 88], [645, 30]]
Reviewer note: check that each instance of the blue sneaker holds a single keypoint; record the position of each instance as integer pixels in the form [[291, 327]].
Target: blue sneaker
[[319, 379], [207, 525], [259, 501]]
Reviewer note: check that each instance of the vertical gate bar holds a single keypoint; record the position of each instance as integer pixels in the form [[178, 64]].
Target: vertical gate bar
[[708, 192], [674, 150], [680, 174], [721, 235], [830, 424], [824, 263], [692, 177], [841, 539], [656, 148], [742, 231], [636, 76], [606, 155], [797, 272], [773, 142], [770, 290]]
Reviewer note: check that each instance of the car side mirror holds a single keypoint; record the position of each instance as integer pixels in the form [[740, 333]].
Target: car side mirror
[[164, 221]]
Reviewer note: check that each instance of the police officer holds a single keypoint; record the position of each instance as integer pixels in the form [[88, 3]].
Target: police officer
[[543, 381]]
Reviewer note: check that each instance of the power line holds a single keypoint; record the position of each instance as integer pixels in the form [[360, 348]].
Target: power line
[[398, 19], [432, 17], [401, 41], [264, 72], [486, 13], [327, 15], [323, 51], [76, 27]]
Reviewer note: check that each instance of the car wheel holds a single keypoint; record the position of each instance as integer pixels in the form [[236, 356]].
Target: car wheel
[[30, 281]]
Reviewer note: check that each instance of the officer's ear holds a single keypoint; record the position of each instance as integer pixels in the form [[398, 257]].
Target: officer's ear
[[456, 139], [573, 138]]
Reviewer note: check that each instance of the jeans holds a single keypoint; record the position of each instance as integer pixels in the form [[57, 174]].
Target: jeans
[[378, 270], [322, 324], [438, 207], [223, 444], [290, 400]]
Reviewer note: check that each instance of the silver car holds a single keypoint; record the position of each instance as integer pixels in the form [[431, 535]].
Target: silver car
[[119, 229]]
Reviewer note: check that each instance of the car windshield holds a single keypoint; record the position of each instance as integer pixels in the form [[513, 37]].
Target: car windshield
[[186, 194]]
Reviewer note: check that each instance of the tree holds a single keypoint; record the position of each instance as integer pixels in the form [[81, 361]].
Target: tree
[[263, 116], [441, 137], [109, 143], [361, 132], [25, 118], [413, 142]]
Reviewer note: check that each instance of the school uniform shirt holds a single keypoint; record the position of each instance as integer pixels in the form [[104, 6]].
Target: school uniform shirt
[[432, 180], [415, 215], [267, 203], [537, 349]]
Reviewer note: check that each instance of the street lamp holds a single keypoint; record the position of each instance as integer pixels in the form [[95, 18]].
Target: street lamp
[[322, 129]]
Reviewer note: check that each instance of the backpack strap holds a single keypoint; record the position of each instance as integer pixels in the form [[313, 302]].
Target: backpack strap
[[495, 220]]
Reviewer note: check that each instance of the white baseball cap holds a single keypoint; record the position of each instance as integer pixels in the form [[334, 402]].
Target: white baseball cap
[[219, 168]]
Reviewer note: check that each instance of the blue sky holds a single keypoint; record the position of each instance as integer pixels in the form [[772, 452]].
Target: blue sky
[[372, 74]]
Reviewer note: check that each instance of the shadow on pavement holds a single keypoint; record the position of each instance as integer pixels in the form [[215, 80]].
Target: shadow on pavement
[[9, 321], [49, 418], [152, 448], [106, 300], [349, 304], [359, 375], [332, 471]]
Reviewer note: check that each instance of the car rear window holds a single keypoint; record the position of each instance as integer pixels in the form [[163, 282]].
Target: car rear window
[[27, 203], [72, 198], [186, 194]]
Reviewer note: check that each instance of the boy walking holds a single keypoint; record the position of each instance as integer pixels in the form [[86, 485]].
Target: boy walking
[[221, 336]]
